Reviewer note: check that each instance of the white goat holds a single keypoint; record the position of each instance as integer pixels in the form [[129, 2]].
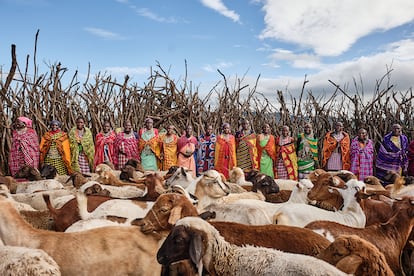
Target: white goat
[[123, 208], [302, 214], [16, 260], [38, 185], [208, 249], [116, 191], [83, 225]]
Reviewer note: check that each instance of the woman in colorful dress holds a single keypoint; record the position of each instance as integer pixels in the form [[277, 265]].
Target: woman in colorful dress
[[82, 148], [168, 144], [307, 151], [186, 146], [125, 146], [266, 149], [246, 150], [392, 154], [104, 145], [287, 161], [225, 153], [335, 151], [362, 155], [24, 146], [206, 150], [148, 146], [55, 149]]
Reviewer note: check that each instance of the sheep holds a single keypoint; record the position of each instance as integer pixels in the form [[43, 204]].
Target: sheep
[[375, 210], [195, 239], [211, 189], [117, 191], [180, 176], [69, 213], [28, 172], [38, 185], [301, 214], [373, 183], [128, 209], [17, 260], [356, 256], [322, 180], [48, 171], [35, 200], [100, 251], [100, 168], [262, 182], [83, 225], [390, 237], [253, 211], [236, 175], [10, 182], [170, 207]]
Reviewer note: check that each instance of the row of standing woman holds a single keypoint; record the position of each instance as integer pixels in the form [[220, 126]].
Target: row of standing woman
[[278, 156]]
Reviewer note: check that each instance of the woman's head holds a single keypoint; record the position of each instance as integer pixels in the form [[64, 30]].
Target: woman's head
[[22, 122], [149, 123], [80, 123], [127, 127], [106, 127], [55, 125]]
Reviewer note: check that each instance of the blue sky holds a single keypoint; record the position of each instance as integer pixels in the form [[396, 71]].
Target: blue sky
[[282, 41]]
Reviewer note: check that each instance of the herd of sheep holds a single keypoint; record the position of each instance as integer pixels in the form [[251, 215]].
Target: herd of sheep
[[170, 223]]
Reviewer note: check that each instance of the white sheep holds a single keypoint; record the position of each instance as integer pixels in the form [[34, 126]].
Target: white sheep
[[207, 248], [123, 208], [36, 201], [253, 211], [16, 260], [38, 185], [117, 191], [351, 214], [83, 225]]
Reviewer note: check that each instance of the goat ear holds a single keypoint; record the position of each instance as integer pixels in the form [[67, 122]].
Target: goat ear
[[349, 264], [196, 251], [183, 171], [175, 215]]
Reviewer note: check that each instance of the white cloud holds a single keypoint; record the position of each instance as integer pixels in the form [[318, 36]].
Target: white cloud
[[304, 61], [331, 27], [104, 33], [213, 67], [122, 71], [153, 16], [219, 7], [365, 70]]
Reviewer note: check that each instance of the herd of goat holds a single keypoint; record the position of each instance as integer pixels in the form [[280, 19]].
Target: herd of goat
[[132, 222]]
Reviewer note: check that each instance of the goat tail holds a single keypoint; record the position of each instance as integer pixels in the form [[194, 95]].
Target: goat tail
[[279, 218], [82, 201]]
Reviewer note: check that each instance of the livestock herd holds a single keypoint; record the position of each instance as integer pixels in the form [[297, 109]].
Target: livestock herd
[[132, 222]]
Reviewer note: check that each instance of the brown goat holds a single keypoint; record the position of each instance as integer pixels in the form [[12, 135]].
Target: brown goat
[[28, 172], [105, 250], [329, 200], [170, 207], [356, 256], [69, 213], [390, 237]]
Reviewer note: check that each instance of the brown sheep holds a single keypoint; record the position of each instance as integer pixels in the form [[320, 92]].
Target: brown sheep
[[319, 193], [106, 250], [170, 207], [390, 237], [29, 173], [356, 256], [69, 213], [10, 182]]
